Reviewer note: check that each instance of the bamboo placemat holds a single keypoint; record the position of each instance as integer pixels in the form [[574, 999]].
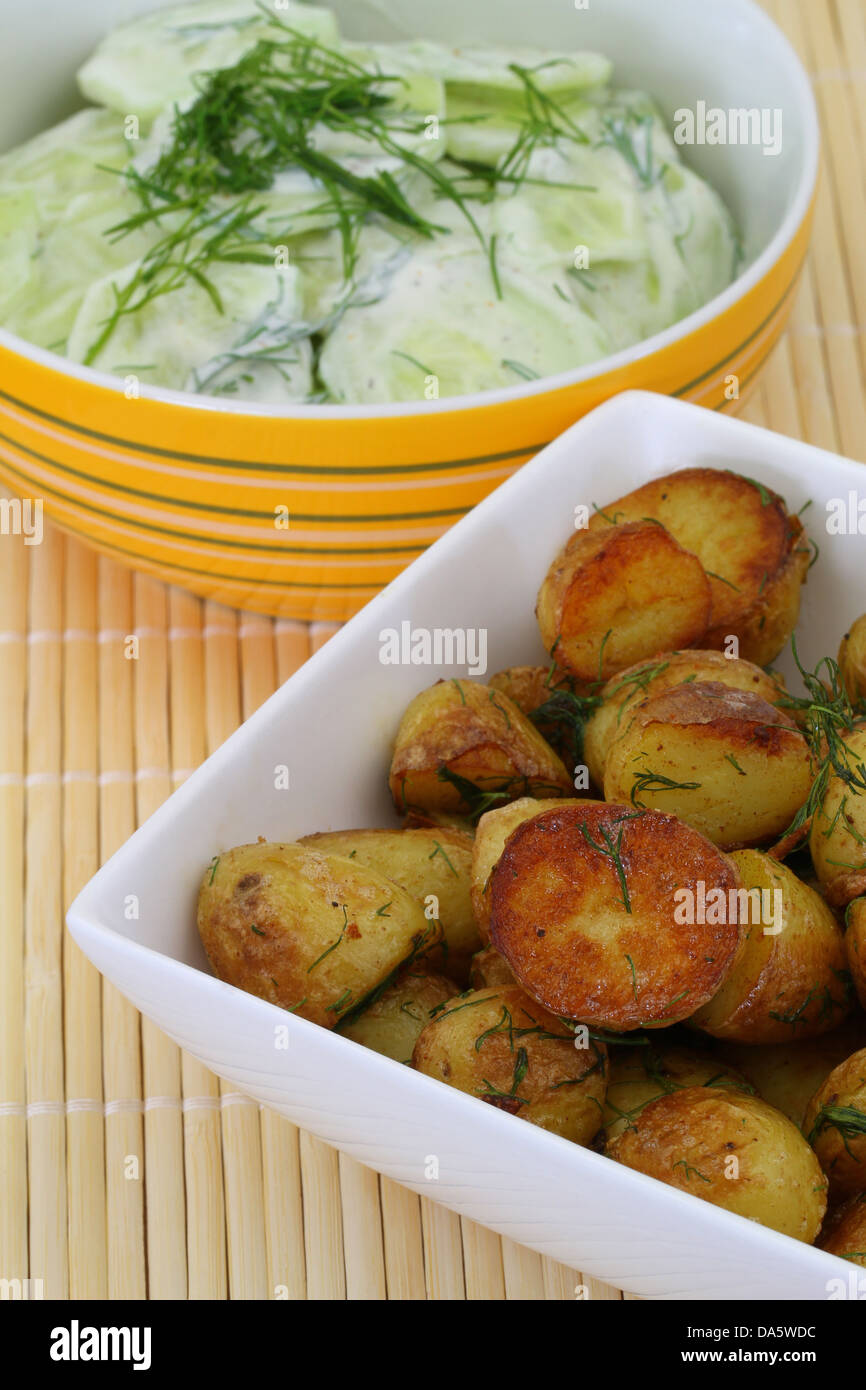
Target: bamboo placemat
[[127, 1170]]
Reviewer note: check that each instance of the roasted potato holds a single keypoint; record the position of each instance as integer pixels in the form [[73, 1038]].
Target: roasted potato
[[547, 688], [844, 1232], [855, 945], [838, 837], [790, 980], [733, 1150], [753, 553], [584, 910], [616, 596], [852, 661], [639, 1075], [312, 932], [393, 1023], [621, 696], [459, 741], [502, 1046], [835, 1125], [493, 830], [489, 968], [723, 760], [434, 867], [788, 1074], [530, 687]]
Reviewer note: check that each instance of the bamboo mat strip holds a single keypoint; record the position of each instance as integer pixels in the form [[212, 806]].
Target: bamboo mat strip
[[126, 1168]]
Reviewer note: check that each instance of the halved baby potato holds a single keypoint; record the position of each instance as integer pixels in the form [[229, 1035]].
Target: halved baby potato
[[852, 661], [733, 1150], [837, 841], [548, 688], [502, 1046], [312, 932], [434, 867], [584, 907], [723, 760], [855, 944], [835, 1125], [639, 1075], [788, 1074], [460, 743], [393, 1023], [790, 980], [844, 1232], [622, 695], [615, 596], [752, 551], [489, 968]]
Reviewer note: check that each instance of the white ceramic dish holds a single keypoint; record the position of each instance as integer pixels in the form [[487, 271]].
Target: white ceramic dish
[[332, 724]]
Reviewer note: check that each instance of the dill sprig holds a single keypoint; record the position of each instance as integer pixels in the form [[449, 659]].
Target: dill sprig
[[612, 851], [653, 782], [477, 800], [849, 1121]]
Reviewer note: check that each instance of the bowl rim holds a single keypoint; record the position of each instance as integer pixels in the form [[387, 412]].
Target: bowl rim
[[797, 213]]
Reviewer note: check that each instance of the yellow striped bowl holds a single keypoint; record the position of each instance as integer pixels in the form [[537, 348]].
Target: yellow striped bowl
[[196, 490]]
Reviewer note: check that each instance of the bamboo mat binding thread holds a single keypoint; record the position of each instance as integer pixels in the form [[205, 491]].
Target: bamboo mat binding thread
[[127, 1170]]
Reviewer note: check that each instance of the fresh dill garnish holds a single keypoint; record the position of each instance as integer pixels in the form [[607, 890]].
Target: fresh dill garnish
[[564, 717], [491, 695], [633, 976], [214, 865], [612, 851], [654, 781], [847, 1119], [258, 931], [526, 372], [440, 850], [421, 943], [722, 580], [334, 944], [383, 910], [688, 1170], [477, 800], [415, 363], [729, 757], [631, 135]]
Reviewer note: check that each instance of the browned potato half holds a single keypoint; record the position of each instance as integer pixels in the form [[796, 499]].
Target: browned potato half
[[733, 1150], [838, 837], [533, 688], [639, 1075], [460, 741], [621, 696], [616, 596], [312, 932], [530, 687], [393, 1023], [855, 944], [434, 867], [502, 1046], [788, 1074], [584, 902], [753, 553], [852, 661], [490, 968], [790, 980], [835, 1126], [494, 829], [723, 760], [844, 1232]]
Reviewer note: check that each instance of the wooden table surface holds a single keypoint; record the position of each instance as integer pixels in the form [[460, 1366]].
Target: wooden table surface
[[126, 1169]]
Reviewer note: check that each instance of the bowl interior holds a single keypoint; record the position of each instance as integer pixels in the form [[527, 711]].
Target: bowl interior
[[728, 55]]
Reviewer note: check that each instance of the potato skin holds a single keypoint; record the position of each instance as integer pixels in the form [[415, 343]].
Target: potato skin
[[478, 734], [393, 1023], [752, 551], [837, 840], [788, 984], [533, 688], [615, 596], [517, 1066], [855, 945], [844, 1232], [306, 930], [852, 660], [639, 1075], [558, 915], [426, 863], [835, 1125], [689, 1139], [493, 831], [787, 1075], [622, 695], [742, 768], [489, 968]]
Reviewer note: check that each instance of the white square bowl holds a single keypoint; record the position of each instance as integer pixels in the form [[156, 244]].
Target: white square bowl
[[332, 724]]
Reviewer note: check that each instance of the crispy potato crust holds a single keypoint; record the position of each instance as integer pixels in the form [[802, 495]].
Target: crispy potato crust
[[308, 931], [614, 597], [740, 768], [560, 919], [732, 1150], [844, 1232], [478, 734], [639, 1075], [835, 1125], [434, 867], [789, 981], [852, 660], [855, 945], [622, 695], [502, 1046], [753, 552], [837, 841], [394, 1022]]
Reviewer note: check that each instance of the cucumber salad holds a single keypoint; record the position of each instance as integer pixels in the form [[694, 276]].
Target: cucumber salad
[[255, 208]]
